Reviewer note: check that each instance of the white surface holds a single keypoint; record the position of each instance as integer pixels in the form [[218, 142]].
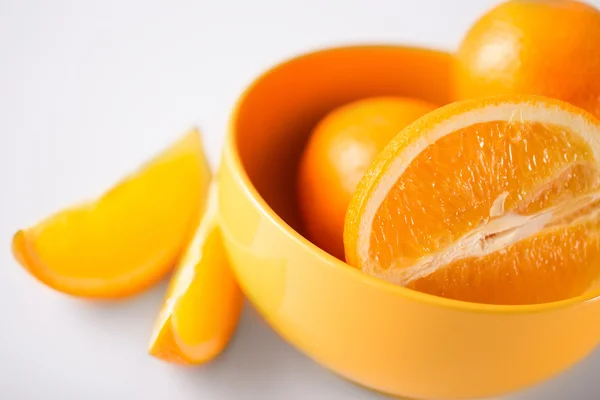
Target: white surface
[[88, 90]]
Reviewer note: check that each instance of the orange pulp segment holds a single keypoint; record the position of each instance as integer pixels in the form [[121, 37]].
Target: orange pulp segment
[[491, 201], [130, 237], [203, 303]]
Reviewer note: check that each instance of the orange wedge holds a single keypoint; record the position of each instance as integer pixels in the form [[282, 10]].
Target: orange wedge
[[492, 200], [130, 237], [203, 303]]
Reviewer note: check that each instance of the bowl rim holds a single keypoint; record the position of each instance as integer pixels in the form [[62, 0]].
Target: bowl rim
[[239, 173]]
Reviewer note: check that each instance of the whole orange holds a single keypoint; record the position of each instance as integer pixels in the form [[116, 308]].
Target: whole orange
[[339, 151], [543, 47]]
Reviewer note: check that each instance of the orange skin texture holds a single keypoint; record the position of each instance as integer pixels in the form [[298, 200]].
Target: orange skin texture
[[545, 47], [339, 151]]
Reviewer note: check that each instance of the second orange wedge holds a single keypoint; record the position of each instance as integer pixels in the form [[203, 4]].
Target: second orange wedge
[[130, 237], [203, 303]]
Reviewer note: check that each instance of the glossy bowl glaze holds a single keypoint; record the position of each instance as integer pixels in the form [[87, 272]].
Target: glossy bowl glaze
[[379, 335]]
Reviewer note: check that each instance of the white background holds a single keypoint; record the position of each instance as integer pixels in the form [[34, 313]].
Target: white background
[[88, 90]]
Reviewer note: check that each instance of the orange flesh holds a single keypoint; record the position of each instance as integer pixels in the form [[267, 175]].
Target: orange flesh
[[454, 186]]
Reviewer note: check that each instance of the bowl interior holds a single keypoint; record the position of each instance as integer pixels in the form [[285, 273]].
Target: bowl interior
[[278, 112]]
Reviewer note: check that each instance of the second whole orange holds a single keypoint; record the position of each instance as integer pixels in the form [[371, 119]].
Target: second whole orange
[[339, 151], [543, 47]]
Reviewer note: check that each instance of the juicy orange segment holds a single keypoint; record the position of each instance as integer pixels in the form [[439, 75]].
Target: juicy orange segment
[[130, 237], [203, 303], [493, 201]]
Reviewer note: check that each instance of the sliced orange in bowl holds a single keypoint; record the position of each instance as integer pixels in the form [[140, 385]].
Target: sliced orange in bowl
[[203, 302], [491, 200], [130, 237]]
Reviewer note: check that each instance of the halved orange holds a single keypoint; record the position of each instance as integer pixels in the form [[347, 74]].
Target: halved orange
[[130, 237], [491, 200], [203, 303]]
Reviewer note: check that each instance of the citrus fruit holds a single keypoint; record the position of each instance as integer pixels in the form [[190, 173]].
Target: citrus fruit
[[543, 47], [203, 302], [130, 237], [338, 152], [490, 200]]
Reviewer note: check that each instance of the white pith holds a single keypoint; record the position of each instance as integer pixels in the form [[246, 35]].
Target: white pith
[[185, 269], [502, 230]]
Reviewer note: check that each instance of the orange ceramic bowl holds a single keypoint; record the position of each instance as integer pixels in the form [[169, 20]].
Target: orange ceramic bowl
[[379, 335]]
